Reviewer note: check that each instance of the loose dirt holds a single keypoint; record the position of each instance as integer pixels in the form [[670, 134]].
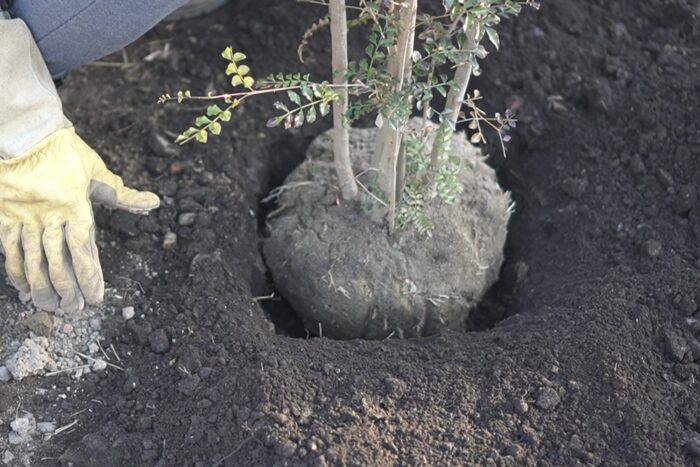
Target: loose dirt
[[595, 362]]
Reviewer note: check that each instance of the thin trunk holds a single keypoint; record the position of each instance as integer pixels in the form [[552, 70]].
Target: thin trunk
[[453, 105], [389, 158], [341, 138]]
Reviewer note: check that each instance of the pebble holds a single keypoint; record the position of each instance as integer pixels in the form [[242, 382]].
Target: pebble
[[521, 407], [637, 165], [99, 365], [128, 312], [46, 427], [652, 248], [130, 384], [23, 428], [159, 341], [30, 359], [93, 348], [676, 346], [186, 219], [8, 457], [692, 445], [5, 375], [574, 187], [548, 398], [169, 241], [685, 199]]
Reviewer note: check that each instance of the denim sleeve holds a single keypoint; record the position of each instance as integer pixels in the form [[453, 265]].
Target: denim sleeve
[[70, 33]]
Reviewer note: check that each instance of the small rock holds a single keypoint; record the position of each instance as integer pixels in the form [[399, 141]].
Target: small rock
[[285, 449], [692, 445], [652, 248], [515, 451], [7, 457], [169, 241], [128, 312], [40, 323], [99, 365], [574, 187], [161, 146], [548, 398], [637, 165], [93, 348], [694, 347], [23, 428], [685, 199], [188, 385], [46, 427], [186, 219], [159, 341], [395, 387], [5, 375], [687, 305], [30, 359], [676, 346], [521, 407]]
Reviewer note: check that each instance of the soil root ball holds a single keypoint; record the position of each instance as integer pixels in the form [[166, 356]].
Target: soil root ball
[[347, 278]]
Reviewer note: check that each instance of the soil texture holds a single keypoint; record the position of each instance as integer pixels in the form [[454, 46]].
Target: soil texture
[[594, 363]]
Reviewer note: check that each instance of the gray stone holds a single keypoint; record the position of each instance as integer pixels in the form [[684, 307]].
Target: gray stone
[[46, 427], [30, 359], [548, 398], [7, 457], [676, 346], [169, 241], [159, 341], [186, 219], [685, 199], [128, 312], [5, 375], [99, 365], [652, 248]]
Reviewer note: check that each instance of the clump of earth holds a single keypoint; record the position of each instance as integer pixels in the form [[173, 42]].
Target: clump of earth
[[348, 278]]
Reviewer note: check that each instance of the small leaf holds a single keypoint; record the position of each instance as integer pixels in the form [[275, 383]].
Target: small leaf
[[227, 53], [294, 97], [231, 69], [225, 116], [180, 96], [273, 122], [248, 82], [236, 80], [311, 115], [243, 70], [201, 136], [299, 119], [238, 56], [202, 120], [213, 110], [180, 139], [493, 37], [324, 108], [307, 92], [215, 128], [476, 137]]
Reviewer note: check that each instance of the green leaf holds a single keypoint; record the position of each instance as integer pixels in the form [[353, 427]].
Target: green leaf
[[311, 115], [180, 138], [493, 37], [236, 80], [180, 96], [213, 110], [201, 136], [238, 56], [307, 92], [227, 53], [215, 128], [202, 120], [248, 82], [294, 97], [299, 119], [324, 108], [243, 70], [225, 116], [231, 69]]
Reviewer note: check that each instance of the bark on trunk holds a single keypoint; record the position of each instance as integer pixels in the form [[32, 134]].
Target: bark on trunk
[[341, 140]]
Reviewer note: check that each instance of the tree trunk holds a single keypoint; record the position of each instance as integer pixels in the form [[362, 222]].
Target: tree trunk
[[341, 140], [389, 157], [453, 105]]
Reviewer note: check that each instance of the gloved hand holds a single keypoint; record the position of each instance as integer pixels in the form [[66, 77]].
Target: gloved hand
[[46, 223], [48, 178]]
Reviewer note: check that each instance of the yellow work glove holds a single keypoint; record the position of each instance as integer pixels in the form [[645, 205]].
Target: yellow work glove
[[47, 228]]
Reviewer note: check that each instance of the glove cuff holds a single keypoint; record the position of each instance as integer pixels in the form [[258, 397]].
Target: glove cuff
[[30, 108], [38, 151]]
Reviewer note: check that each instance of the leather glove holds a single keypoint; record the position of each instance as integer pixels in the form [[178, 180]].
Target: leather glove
[[48, 178]]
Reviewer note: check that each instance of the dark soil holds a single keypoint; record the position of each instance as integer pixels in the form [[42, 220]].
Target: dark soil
[[595, 363]]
